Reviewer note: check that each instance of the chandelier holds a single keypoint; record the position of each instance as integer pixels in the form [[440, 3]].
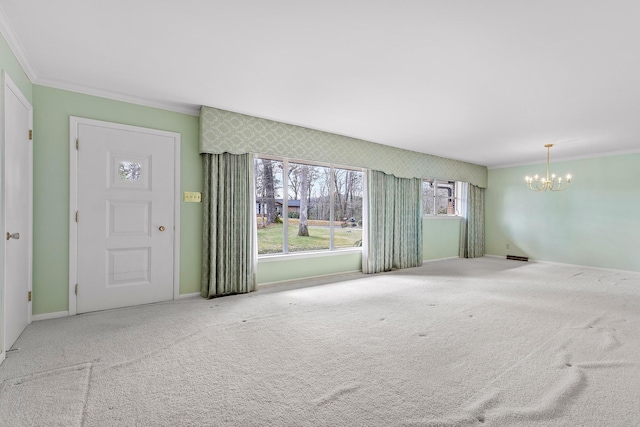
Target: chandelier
[[551, 183]]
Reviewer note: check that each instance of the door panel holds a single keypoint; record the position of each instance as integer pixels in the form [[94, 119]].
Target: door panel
[[129, 218], [129, 267], [17, 199], [125, 218]]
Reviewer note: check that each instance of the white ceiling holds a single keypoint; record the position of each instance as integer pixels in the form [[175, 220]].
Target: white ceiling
[[488, 82]]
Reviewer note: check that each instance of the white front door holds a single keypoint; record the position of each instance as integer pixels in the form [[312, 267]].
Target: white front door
[[125, 216], [17, 178]]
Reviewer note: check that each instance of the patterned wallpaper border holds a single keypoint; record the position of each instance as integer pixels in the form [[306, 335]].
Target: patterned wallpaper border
[[224, 131]]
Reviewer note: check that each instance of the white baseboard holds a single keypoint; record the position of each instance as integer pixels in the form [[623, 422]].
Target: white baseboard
[[439, 259], [58, 314], [583, 266], [539, 261], [47, 316], [2, 357], [191, 295]]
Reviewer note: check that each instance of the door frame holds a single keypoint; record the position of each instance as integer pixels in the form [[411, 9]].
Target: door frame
[[74, 123], [9, 85]]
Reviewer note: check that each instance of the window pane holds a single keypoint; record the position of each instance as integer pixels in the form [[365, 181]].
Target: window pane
[[268, 178], [441, 206], [428, 197], [445, 198], [443, 193], [309, 204], [130, 171], [312, 195], [347, 208], [458, 198]]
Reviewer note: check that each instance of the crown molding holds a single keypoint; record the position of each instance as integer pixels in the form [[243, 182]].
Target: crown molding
[[190, 109], [569, 158], [18, 50], [16, 46]]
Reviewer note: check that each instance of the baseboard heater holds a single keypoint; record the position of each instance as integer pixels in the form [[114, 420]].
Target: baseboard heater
[[518, 258]]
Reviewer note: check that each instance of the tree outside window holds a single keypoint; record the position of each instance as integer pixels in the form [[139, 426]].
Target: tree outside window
[[323, 206]]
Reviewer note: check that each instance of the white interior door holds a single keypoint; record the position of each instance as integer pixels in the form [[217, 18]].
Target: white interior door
[[17, 179], [125, 219]]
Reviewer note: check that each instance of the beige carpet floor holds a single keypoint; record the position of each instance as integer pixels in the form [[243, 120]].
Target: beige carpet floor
[[456, 342]]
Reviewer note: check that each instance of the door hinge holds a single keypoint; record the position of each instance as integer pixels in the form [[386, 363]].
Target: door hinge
[[29, 297], [76, 216], [77, 143], [30, 135], [76, 289]]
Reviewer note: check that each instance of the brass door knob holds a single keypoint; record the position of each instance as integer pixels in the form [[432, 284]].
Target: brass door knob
[[161, 228]]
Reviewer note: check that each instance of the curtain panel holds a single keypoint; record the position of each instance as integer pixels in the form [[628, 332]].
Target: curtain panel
[[472, 224], [394, 232], [229, 248]]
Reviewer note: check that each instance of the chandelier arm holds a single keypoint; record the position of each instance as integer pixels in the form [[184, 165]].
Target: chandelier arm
[[535, 186], [551, 183]]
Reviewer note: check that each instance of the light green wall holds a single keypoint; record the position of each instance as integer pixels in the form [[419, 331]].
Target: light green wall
[[270, 271], [10, 64], [441, 238], [52, 109], [596, 222]]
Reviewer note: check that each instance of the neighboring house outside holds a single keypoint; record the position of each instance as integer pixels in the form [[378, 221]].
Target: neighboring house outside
[[261, 205], [293, 205]]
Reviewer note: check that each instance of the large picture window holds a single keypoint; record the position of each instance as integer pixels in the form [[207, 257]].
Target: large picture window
[[307, 207], [439, 198]]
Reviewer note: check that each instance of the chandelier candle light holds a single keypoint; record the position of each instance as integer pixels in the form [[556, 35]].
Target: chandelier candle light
[[551, 183]]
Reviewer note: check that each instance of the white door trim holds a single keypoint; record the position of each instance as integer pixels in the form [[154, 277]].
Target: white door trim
[[74, 122], [9, 85]]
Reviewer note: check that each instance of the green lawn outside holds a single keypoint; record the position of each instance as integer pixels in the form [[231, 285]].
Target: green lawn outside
[[270, 238]]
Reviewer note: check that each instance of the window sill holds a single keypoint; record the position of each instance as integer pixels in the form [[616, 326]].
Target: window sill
[[303, 255]]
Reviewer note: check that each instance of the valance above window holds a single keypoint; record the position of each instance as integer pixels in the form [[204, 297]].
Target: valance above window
[[226, 132]]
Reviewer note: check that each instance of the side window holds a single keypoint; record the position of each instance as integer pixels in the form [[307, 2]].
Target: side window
[[439, 197], [445, 198]]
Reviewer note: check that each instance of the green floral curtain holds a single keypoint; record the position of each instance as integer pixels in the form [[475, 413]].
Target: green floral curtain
[[229, 253], [394, 235], [472, 224]]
